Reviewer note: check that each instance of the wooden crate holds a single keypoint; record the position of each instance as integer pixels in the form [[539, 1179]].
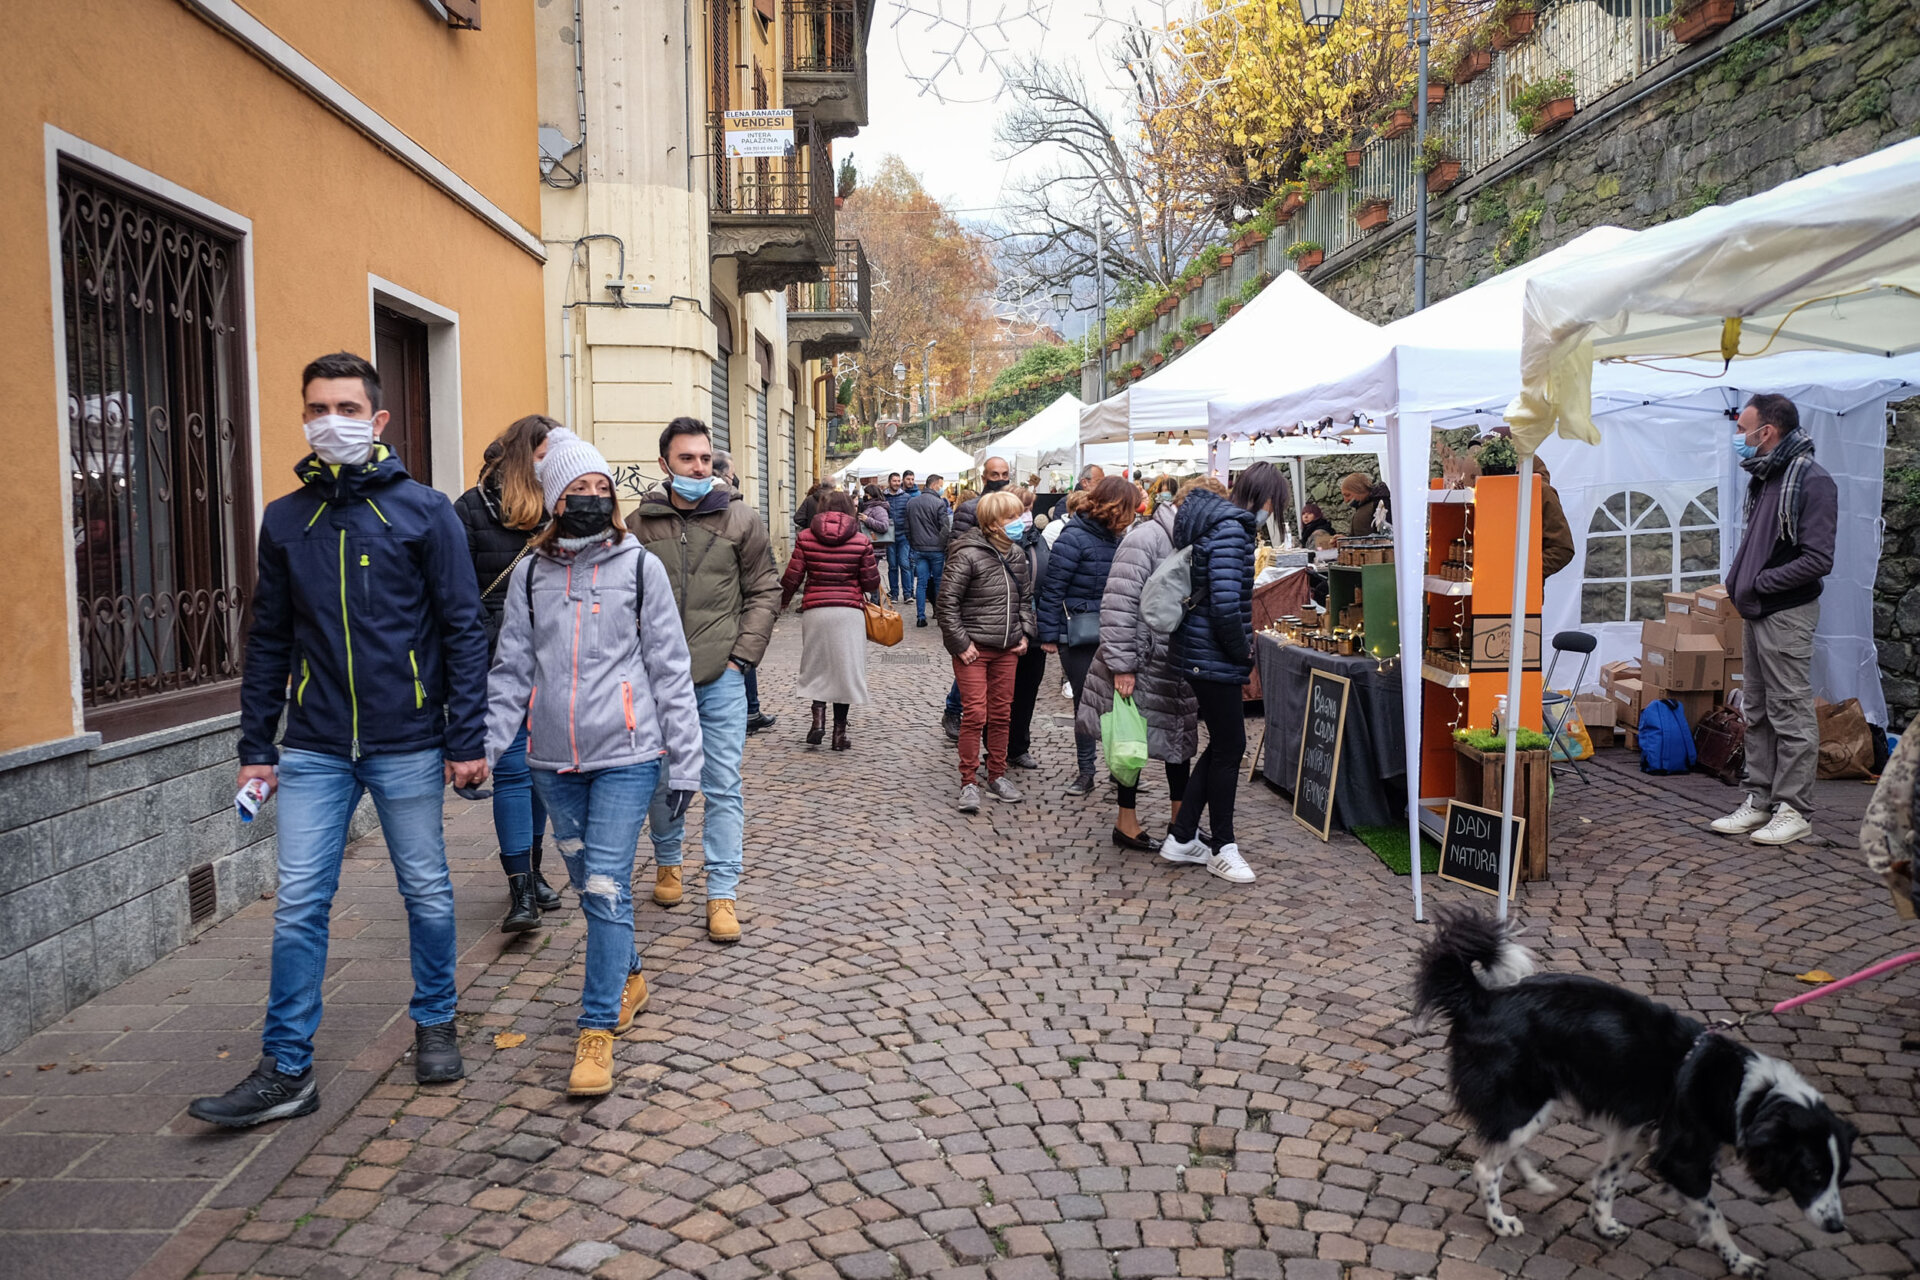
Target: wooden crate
[[1477, 780]]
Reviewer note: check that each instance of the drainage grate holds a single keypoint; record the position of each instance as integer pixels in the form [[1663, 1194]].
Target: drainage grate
[[203, 896]]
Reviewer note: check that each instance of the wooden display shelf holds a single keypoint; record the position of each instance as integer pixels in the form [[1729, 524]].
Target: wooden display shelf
[[1373, 585], [1478, 779]]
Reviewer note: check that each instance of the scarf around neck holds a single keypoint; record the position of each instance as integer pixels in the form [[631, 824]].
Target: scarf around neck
[[1794, 457]]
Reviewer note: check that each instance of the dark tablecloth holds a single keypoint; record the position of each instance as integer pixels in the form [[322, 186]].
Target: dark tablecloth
[[1372, 787]]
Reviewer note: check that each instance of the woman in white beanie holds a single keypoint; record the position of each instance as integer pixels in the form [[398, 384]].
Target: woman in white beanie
[[593, 660]]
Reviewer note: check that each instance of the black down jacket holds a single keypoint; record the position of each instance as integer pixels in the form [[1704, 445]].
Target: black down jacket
[[492, 547], [1076, 576], [1215, 641], [1129, 646]]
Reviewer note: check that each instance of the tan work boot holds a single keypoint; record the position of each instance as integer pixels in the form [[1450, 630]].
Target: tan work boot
[[722, 924], [632, 1001], [592, 1065], [666, 886]]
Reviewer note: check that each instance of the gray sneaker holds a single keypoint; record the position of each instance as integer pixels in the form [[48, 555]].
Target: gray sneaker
[[1001, 789], [969, 799]]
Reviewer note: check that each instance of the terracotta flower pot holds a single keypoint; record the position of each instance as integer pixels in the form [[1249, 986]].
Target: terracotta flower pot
[[1235, 309], [1552, 115], [1353, 157], [1250, 240], [1402, 122], [1128, 335], [1371, 215], [1308, 261], [1114, 345], [1318, 184], [1442, 176], [1226, 260], [1436, 93], [1156, 359], [1166, 305], [1520, 25], [1703, 20], [1291, 205], [1472, 65], [1179, 343], [1204, 328]]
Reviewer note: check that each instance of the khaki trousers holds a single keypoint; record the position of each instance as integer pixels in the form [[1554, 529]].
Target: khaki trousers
[[1783, 734]]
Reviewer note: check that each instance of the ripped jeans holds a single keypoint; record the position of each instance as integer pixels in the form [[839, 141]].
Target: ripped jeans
[[596, 819]]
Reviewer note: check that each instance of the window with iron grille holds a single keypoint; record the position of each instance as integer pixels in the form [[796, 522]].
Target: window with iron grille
[[161, 517]]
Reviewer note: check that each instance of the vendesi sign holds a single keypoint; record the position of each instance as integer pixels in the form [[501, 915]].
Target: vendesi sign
[[757, 135]]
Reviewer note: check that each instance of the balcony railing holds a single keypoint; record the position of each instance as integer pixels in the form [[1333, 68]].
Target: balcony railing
[[1604, 45], [842, 288], [823, 36], [797, 186]]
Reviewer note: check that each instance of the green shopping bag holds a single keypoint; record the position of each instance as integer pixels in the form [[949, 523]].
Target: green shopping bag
[[1123, 735]]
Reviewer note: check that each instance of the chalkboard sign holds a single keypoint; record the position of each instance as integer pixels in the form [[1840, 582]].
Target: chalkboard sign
[[1470, 854], [1321, 737]]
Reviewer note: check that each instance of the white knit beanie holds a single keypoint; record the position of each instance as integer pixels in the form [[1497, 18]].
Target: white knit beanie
[[568, 458]]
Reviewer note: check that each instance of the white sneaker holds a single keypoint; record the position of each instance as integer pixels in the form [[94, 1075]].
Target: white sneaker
[[1001, 789], [1784, 827], [1066, 690], [1748, 817], [1172, 850], [969, 799], [1227, 863]]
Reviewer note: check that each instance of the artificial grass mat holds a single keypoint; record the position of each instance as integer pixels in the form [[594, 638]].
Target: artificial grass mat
[[1389, 844]]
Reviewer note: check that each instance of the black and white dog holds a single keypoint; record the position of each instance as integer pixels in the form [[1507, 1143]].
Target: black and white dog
[[1530, 1051]]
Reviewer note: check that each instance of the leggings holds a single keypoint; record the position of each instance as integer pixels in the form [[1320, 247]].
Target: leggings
[[1216, 774], [1077, 660], [1178, 774]]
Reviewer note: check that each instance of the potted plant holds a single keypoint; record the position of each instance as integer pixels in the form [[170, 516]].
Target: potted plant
[[1397, 119], [1513, 21], [1544, 104], [1167, 303], [1355, 153], [1201, 328], [1436, 93], [1441, 169], [1694, 20], [848, 179], [1292, 198], [1324, 169], [1471, 56], [1372, 212], [1306, 254], [1156, 358]]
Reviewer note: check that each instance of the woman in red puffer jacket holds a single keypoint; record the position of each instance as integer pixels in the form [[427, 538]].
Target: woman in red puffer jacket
[[834, 558]]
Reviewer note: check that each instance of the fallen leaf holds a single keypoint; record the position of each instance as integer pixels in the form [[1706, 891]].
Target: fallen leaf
[[509, 1039], [85, 1066], [223, 1053], [1814, 976], [48, 1066]]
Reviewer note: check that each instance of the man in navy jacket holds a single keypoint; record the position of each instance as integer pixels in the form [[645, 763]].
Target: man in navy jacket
[[366, 629]]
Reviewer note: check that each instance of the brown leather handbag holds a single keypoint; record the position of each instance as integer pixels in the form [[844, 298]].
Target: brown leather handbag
[[884, 626]]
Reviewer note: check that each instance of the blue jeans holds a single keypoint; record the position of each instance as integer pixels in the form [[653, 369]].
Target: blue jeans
[[723, 731], [317, 797], [597, 817], [927, 568], [753, 693], [899, 567], [518, 814], [953, 698]]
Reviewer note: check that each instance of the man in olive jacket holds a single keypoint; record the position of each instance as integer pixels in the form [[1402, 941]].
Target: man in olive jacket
[[717, 555]]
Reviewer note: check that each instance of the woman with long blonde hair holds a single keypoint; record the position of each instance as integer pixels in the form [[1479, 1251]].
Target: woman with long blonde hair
[[502, 513]]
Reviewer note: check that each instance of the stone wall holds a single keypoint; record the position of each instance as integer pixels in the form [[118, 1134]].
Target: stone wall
[[96, 844], [1786, 89]]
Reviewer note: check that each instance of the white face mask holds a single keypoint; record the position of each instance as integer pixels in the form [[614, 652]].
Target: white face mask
[[342, 441]]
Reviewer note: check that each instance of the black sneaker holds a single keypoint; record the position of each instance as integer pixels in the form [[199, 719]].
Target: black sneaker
[[1024, 760], [951, 723], [1081, 786], [761, 720], [436, 1054], [919, 622], [265, 1095]]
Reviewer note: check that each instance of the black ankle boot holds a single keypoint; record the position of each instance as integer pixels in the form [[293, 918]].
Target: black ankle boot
[[545, 896], [840, 742], [523, 910], [819, 730]]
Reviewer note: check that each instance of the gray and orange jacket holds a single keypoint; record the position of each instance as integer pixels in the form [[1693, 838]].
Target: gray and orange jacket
[[365, 624], [595, 690]]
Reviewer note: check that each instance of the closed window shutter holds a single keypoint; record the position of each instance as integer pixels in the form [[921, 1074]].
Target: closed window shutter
[[722, 410], [760, 434], [464, 14]]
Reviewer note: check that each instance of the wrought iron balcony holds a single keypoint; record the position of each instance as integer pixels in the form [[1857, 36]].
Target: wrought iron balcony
[[834, 313], [774, 215], [826, 62]]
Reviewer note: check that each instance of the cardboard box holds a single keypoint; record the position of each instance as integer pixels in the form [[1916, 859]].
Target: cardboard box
[[1598, 714], [1714, 602], [1679, 604], [1732, 631], [1693, 705], [1677, 660], [1612, 671], [1628, 695]]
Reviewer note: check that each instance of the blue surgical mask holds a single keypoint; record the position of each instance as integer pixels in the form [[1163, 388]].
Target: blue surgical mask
[[692, 490], [1742, 449], [1015, 529]]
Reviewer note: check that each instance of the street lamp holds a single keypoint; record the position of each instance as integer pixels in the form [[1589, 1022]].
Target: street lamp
[[899, 371], [926, 387], [1322, 14], [1062, 302]]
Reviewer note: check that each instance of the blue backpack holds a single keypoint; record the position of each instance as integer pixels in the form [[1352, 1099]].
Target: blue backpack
[[1666, 745]]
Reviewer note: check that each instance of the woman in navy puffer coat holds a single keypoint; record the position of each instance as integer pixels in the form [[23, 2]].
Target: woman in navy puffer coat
[[1213, 649], [1076, 579]]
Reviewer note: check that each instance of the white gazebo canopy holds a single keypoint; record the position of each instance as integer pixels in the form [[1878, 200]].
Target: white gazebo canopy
[[867, 464], [1289, 331], [900, 456], [944, 458], [1826, 262], [1042, 440]]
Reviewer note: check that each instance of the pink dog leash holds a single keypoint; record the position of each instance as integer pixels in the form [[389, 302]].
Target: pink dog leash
[[1828, 988]]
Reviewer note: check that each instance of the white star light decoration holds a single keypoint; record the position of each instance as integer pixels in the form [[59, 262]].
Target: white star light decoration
[[1153, 32], [944, 41]]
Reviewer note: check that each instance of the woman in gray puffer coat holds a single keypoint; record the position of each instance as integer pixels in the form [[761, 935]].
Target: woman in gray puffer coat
[[1134, 657]]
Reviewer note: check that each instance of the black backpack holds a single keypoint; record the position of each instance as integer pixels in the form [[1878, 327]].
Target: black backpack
[[639, 586]]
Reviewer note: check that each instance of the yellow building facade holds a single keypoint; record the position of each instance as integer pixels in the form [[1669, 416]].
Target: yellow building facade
[[197, 197]]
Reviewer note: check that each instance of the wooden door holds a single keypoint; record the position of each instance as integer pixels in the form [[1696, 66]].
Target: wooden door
[[400, 354]]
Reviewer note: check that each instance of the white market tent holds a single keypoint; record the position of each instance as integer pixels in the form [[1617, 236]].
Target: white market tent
[[1288, 332], [1045, 439], [1458, 362], [944, 458], [867, 464], [898, 456]]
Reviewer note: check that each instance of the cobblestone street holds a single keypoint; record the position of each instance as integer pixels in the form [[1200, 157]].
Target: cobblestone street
[[983, 1047]]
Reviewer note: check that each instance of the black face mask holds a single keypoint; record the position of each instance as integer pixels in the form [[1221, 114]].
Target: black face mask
[[994, 486], [585, 515]]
